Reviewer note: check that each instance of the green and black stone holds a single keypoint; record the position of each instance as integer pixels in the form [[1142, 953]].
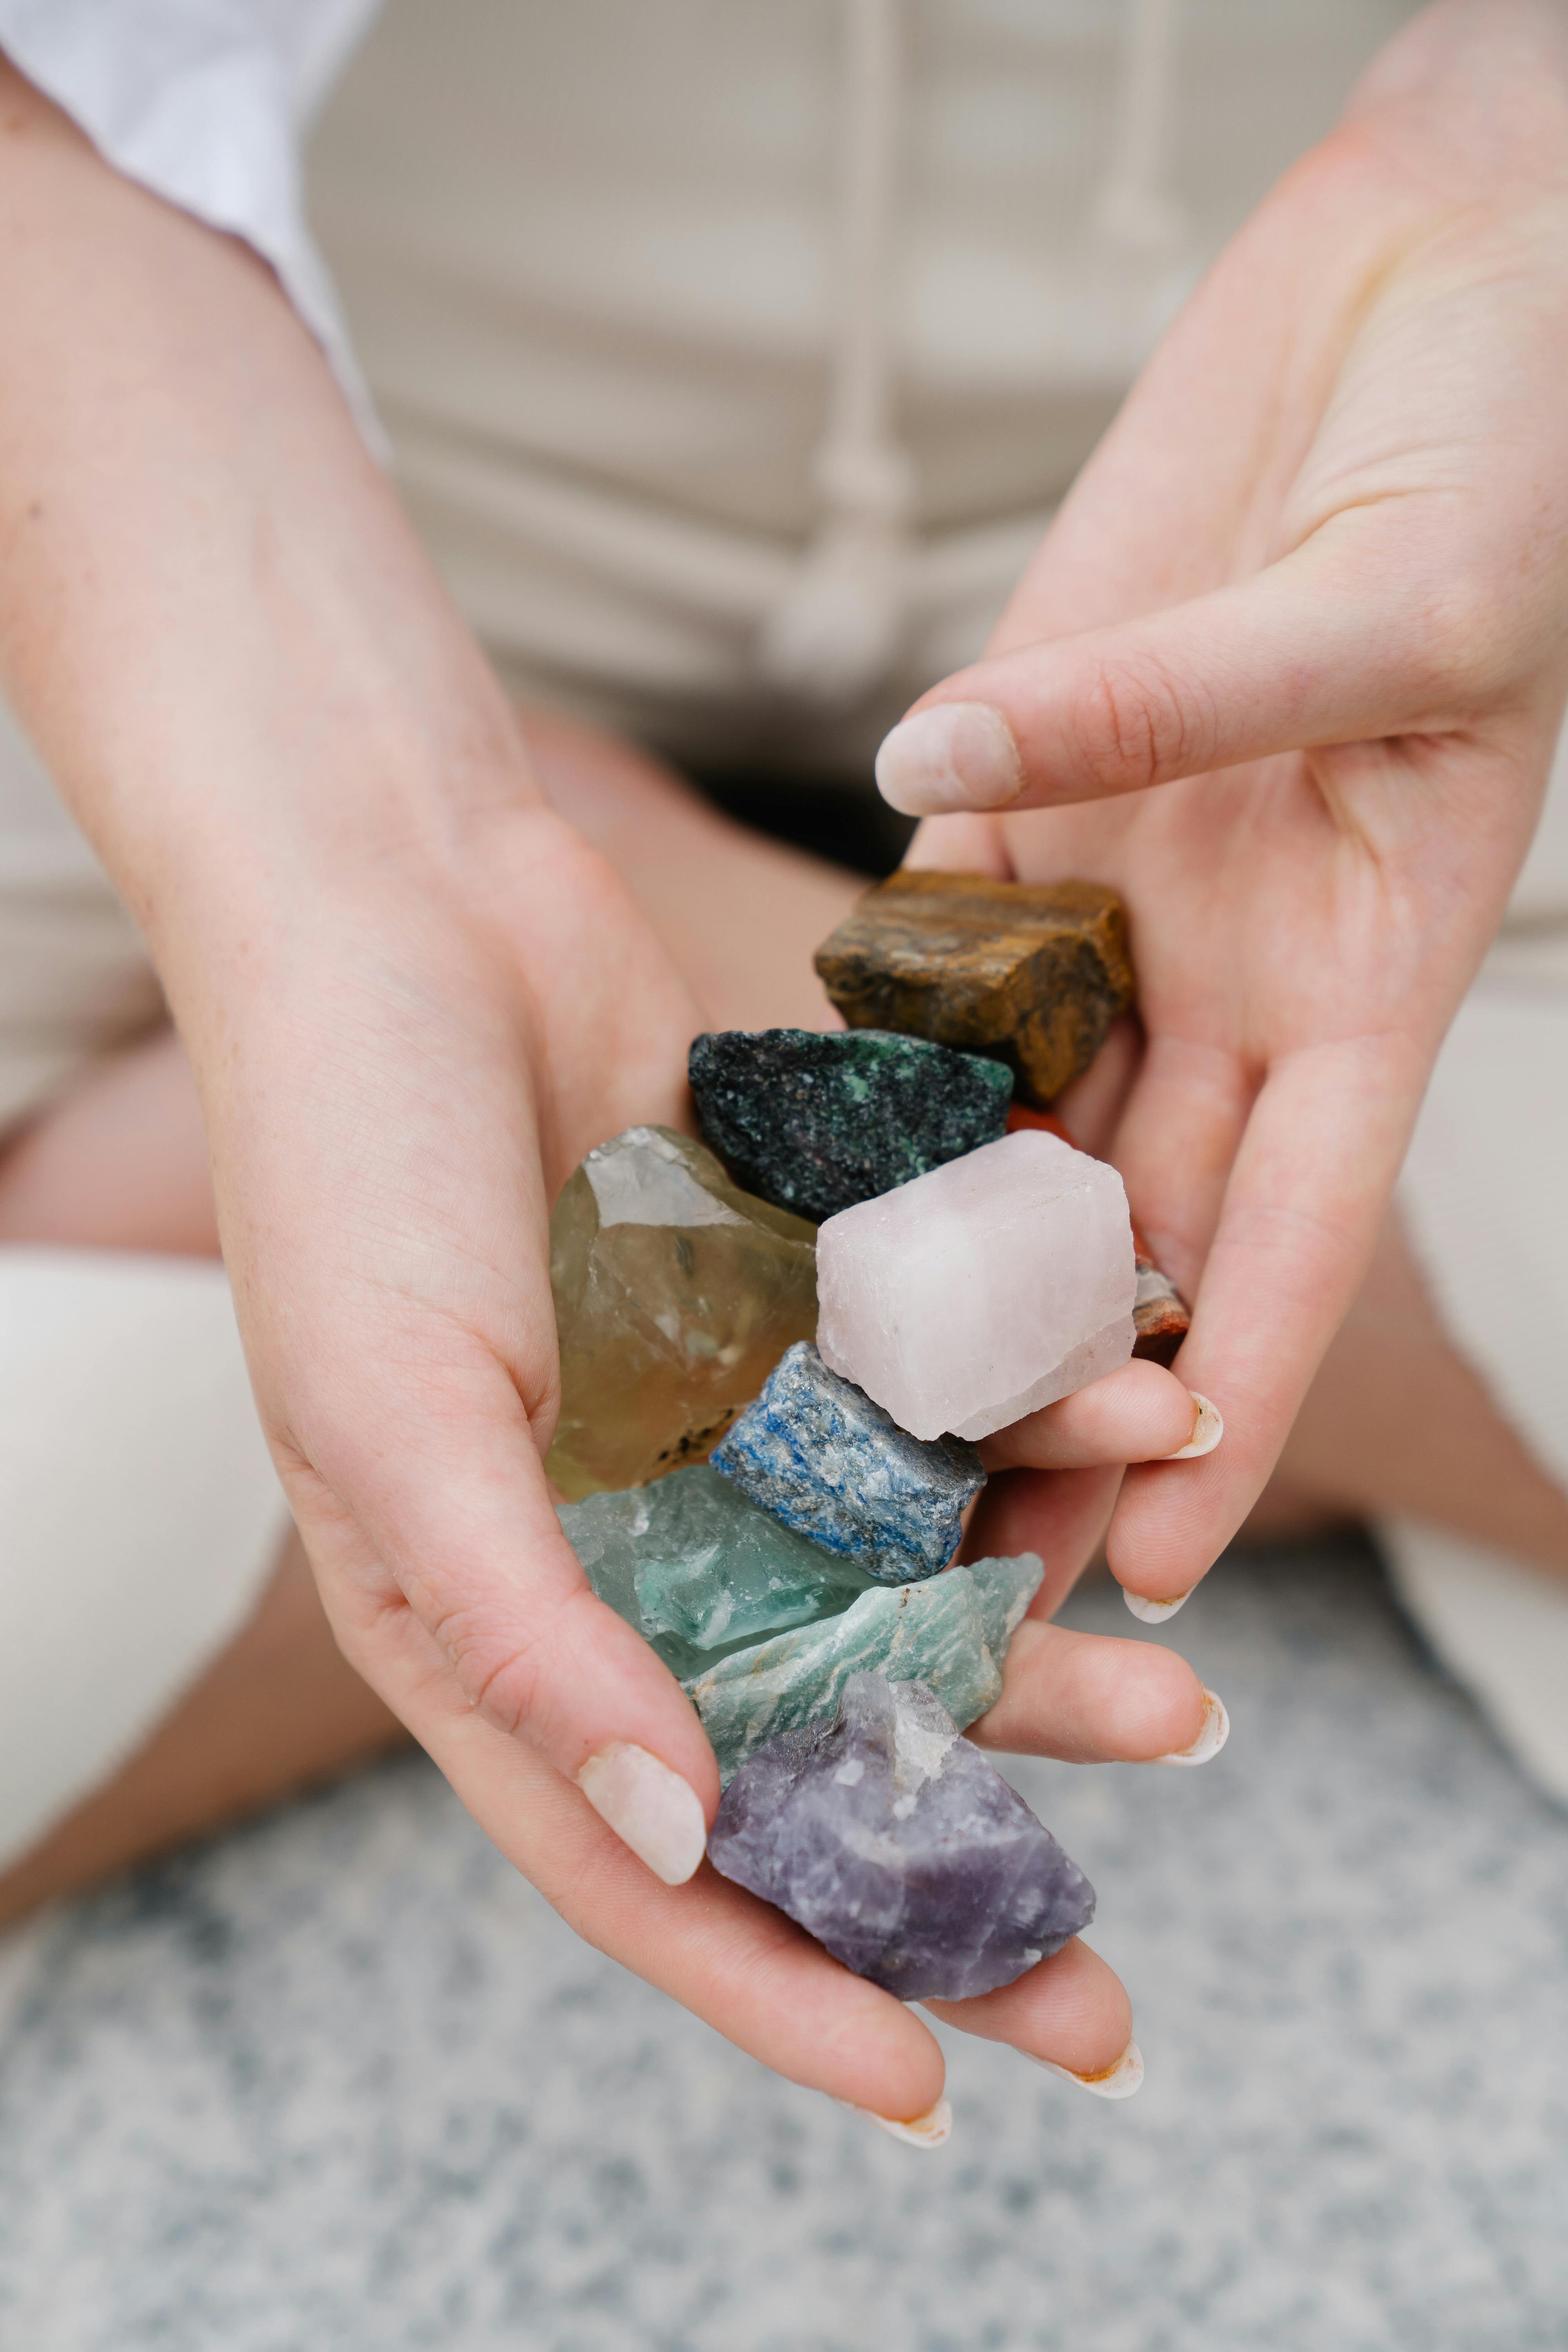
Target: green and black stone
[[816, 1123]]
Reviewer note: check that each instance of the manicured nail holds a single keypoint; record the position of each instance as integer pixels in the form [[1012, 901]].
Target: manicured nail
[[650, 1808], [928, 2130], [1210, 1739], [961, 755], [1208, 1430], [1118, 2082], [1154, 1612]]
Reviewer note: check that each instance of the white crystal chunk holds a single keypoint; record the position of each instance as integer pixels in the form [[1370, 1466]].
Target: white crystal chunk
[[984, 1290]]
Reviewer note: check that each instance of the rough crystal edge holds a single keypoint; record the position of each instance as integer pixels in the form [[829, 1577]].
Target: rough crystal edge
[[762, 1454], [1105, 1351], [779, 1673], [744, 1844]]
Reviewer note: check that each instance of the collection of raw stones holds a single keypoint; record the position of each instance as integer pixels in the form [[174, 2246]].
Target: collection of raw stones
[[776, 1357]]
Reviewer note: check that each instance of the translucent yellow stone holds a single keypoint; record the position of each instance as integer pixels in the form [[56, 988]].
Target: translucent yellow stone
[[676, 1294]]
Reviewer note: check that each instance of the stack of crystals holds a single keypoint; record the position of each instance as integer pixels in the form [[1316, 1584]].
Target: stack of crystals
[[800, 1585]]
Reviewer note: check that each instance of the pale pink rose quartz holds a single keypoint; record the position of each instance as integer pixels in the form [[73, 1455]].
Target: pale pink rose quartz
[[982, 1291]]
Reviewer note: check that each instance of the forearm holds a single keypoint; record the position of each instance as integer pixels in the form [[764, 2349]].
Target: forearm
[[214, 620]]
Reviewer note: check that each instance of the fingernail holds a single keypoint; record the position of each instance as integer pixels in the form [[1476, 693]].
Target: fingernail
[[1208, 1430], [1154, 1612], [928, 2130], [650, 1808], [1210, 1739], [960, 755], [1118, 2082]]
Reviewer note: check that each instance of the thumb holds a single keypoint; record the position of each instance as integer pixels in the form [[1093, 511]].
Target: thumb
[[452, 1512], [1296, 657]]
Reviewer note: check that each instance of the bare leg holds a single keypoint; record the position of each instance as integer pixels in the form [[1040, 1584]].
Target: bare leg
[[738, 914], [1397, 1423], [119, 1162]]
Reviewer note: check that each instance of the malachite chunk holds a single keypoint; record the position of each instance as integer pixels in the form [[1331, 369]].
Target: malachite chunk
[[815, 1122]]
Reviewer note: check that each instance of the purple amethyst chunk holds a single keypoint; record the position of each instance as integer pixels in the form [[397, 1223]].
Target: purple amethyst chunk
[[893, 1841]]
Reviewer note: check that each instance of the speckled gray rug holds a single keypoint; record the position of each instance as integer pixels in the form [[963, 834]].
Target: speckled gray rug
[[341, 2081]]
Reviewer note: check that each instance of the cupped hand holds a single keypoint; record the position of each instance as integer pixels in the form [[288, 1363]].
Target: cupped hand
[[411, 999], [1286, 672], [400, 1082]]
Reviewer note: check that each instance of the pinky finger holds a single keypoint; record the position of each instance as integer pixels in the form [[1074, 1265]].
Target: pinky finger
[[1071, 2013]]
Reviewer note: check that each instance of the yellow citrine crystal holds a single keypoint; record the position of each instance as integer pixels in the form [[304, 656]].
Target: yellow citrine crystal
[[676, 1294]]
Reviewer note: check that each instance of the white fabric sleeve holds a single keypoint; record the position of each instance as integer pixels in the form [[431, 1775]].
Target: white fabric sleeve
[[205, 102]]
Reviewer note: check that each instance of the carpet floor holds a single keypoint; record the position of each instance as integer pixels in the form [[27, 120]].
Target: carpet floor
[[341, 2082]]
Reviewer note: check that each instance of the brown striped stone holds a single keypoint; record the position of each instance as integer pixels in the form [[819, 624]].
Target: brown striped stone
[[1030, 972]]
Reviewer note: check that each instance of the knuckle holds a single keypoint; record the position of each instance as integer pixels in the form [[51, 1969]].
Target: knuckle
[[1134, 724], [500, 1674]]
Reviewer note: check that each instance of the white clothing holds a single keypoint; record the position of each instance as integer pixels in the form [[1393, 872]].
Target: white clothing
[[690, 377], [205, 103], [139, 1510]]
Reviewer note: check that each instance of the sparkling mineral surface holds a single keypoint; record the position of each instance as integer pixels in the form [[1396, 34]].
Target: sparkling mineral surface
[[895, 1843], [1031, 973], [816, 1122], [676, 1294], [982, 1291], [700, 1571], [950, 1633], [815, 1451]]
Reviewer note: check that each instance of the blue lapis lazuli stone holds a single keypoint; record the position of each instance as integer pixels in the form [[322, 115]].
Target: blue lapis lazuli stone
[[815, 1451]]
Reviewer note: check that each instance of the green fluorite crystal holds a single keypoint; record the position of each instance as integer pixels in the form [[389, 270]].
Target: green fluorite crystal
[[676, 1294], [763, 1629], [950, 1633], [700, 1571]]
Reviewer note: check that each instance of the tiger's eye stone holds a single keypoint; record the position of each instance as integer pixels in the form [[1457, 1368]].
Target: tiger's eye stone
[[1031, 974], [676, 1294]]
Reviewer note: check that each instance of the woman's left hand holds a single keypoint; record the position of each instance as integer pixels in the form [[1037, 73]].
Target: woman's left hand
[[1288, 673]]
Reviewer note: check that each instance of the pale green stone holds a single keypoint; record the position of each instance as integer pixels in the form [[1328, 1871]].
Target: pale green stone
[[950, 1633], [1005, 1589], [701, 1571]]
